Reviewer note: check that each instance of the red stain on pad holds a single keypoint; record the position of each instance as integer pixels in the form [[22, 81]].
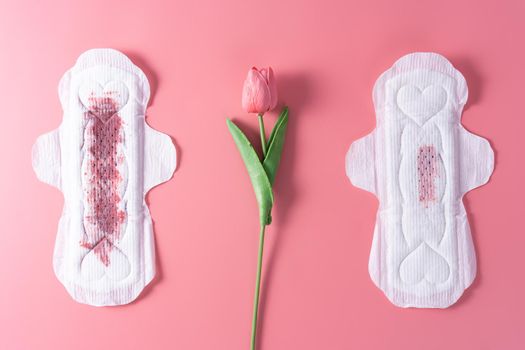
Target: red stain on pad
[[104, 218], [427, 169]]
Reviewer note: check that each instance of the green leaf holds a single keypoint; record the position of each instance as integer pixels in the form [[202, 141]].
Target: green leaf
[[275, 146], [261, 184], [272, 135]]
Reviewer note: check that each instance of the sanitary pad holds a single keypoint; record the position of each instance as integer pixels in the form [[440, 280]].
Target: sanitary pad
[[419, 162], [104, 158]]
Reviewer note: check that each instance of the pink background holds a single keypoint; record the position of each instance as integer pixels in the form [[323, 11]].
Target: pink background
[[317, 293]]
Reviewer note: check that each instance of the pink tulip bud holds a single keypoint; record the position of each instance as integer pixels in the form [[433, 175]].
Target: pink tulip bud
[[259, 93]]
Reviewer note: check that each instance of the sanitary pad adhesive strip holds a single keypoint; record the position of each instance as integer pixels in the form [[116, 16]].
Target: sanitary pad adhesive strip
[[419, 162], [104, 158]]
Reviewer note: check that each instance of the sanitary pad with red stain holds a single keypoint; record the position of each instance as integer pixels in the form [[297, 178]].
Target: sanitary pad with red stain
[[419, 162], [104, 158]]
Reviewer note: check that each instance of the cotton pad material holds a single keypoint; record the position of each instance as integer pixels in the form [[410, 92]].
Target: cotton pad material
[[104, 158], [420, 161]]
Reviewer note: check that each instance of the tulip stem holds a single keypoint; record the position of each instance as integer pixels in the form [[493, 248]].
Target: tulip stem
[[257, 286], [263, 134]]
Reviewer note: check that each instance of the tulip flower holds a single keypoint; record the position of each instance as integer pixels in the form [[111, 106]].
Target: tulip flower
[[260, 96]]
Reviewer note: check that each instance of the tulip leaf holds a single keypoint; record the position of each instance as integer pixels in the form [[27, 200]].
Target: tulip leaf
[[275, 146], [281, 116], [261, 184]]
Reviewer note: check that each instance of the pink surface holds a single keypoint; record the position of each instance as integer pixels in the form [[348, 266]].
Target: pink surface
[[317, 293]]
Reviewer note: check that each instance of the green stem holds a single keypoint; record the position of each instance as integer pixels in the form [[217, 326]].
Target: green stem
[[263, 134], [257, 286]]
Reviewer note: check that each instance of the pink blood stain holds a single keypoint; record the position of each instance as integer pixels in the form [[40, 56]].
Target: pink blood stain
[[104, 218], [427, 168]]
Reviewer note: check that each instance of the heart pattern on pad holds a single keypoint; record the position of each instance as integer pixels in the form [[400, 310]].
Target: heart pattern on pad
[[424, 263], [103, 101], [421, 104]]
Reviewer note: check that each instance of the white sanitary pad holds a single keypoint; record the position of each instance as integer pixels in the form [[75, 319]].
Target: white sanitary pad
[[419, 162], [104, 158]]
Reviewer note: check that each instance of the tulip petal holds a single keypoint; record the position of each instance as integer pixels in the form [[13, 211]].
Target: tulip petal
[[272, 86], [264, 72]]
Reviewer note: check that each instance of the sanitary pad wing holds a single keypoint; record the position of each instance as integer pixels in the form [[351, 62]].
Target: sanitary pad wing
[[104, 158], [419, 162]]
